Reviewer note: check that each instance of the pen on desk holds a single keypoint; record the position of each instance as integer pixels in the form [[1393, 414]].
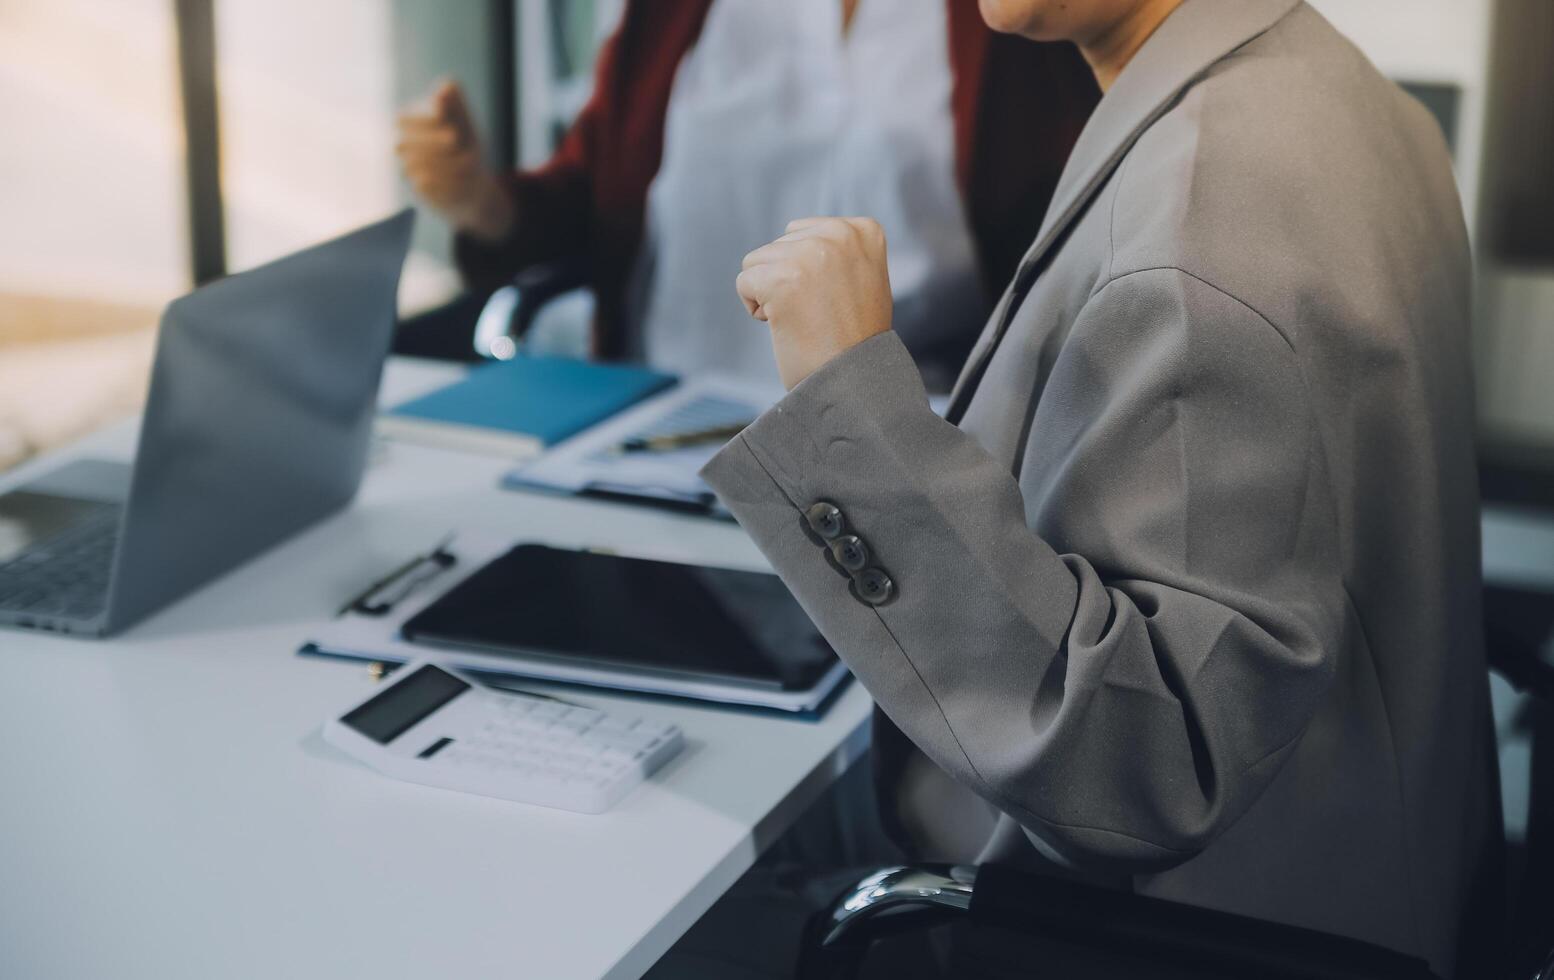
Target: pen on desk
[[679, 440]]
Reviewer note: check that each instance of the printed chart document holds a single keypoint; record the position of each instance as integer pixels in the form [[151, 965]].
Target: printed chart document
[[595, 464]]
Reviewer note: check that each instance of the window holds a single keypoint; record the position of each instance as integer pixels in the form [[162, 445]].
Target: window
[[306, 101], [307, 97], [92, 194], [91, 167]]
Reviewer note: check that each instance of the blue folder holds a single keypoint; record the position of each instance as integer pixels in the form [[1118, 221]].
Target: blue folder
[[547, 399]]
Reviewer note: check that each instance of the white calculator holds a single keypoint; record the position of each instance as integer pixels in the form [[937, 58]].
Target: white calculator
[[440, 727]]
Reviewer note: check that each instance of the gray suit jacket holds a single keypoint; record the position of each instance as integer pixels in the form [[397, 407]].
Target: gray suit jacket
[[1188, 600]]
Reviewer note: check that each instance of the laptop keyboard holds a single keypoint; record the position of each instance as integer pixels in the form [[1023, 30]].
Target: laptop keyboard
[[65, 575]]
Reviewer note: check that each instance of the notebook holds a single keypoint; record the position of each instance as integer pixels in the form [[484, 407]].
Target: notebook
[[517, 408]]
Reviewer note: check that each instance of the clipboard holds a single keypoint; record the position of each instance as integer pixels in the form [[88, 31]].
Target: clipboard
[[589, 465], [368, 629]]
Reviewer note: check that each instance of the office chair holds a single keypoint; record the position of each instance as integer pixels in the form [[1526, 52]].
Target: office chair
[[487, 324], [1192, 941], [1202, 942]]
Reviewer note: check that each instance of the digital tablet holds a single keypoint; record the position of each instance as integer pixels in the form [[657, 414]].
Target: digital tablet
[[651, 617]]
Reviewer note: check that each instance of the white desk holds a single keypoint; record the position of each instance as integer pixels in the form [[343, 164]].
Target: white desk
[[168, 810]]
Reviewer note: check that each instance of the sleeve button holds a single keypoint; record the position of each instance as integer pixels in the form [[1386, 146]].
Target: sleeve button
[[874, 586], [825, 519], [850, 552]]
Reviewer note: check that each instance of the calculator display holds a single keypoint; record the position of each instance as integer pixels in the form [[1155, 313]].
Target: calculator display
[[398, 709]]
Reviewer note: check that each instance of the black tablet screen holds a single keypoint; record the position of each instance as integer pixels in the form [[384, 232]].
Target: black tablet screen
[[655, 617]]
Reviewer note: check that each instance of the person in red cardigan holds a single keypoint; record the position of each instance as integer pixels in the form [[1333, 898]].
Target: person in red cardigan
[[707, 121]]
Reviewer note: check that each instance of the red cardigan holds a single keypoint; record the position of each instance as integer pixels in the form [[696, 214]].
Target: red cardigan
[[1018, 108]]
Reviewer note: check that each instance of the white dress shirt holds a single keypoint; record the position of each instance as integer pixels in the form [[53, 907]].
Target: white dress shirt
[[776, 115]]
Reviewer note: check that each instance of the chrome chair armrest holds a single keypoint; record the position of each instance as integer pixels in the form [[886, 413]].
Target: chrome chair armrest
[[1546, 972], [893, 890], [509, 312], [482, 324], [1218, 944]]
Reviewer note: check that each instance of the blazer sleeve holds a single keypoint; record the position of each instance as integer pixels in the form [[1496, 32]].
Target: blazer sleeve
[[1119, 650], [554, 202]]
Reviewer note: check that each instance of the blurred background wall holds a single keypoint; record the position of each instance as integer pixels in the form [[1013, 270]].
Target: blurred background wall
[[150, 143]]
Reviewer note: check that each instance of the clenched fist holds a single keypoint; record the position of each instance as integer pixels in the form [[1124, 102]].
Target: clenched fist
[[822, 288], [442, 156]]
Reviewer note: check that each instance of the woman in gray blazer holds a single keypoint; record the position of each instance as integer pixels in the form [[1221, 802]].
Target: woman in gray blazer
[[1183, 596]]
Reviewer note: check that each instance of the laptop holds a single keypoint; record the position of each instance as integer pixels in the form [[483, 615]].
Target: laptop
[[257, 425]]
